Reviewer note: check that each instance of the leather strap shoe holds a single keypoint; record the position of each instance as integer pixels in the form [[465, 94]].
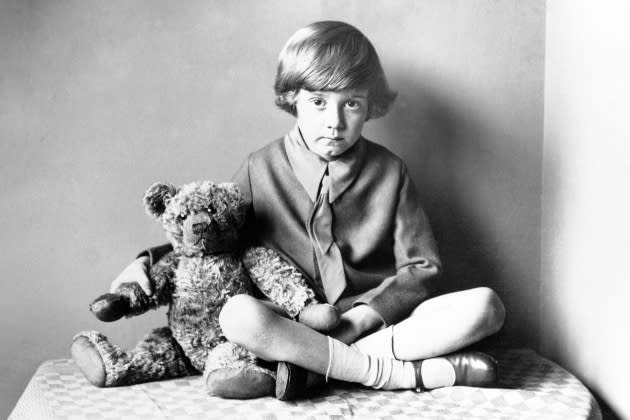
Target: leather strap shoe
[[290, 381], [472, 368]]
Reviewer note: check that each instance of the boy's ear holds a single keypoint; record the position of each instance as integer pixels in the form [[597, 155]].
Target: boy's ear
[[156, 197]]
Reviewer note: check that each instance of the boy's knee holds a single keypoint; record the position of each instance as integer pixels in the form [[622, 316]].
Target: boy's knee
[[242, 319], [492, 308]]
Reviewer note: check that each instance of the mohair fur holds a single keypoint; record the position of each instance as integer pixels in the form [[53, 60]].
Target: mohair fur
[[203, 222], [279, 280], [157, 356]]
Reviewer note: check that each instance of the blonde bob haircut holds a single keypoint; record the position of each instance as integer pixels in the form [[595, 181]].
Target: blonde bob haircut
[[331, 56]]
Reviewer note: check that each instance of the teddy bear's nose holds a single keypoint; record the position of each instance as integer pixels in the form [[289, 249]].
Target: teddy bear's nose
[[199, 228]]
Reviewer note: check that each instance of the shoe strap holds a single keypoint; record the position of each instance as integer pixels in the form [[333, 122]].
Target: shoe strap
[[419, 382]]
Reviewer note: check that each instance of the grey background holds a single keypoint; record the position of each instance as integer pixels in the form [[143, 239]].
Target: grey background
[[100, 99]]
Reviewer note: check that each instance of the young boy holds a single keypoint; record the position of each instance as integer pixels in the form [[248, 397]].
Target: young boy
[[345, 211]]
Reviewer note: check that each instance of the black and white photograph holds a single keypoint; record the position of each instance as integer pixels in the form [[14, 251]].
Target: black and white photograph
[[357, 209]]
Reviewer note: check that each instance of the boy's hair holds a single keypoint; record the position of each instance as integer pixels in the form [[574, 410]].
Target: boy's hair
[[331, 55]]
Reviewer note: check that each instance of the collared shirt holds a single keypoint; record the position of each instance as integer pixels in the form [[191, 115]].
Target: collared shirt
[[309, 167], [389, 255]]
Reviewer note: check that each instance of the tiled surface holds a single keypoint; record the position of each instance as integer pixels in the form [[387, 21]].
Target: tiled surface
[[530, 387]]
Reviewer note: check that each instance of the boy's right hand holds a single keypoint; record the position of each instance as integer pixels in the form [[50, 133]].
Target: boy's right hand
[[136, 272]]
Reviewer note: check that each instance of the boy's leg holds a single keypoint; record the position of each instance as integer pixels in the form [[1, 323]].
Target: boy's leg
[[261, 329], [439, 326], [250, 323]]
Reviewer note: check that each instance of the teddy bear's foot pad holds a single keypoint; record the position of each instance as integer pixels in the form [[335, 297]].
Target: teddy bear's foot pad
[[89, 360], [240, 384]]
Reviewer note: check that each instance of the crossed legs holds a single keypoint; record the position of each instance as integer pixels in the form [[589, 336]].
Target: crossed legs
[[438, 326]]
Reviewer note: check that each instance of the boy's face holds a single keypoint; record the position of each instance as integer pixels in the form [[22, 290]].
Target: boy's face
[[331, 121]]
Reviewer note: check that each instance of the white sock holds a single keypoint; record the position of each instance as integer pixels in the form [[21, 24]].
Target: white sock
[[436, 372], [347, 363], [380, 343]]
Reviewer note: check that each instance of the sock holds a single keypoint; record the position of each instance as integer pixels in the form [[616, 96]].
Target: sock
[[380, 343], [347, 363], [436, 372]]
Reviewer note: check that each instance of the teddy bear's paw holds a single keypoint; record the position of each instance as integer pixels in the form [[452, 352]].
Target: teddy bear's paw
[[240, 383], [89, 360], [320, 316], [110, 307]]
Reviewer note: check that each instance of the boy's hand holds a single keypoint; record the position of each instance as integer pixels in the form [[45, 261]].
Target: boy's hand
[[356, 322], [136, 272], [320, 316]]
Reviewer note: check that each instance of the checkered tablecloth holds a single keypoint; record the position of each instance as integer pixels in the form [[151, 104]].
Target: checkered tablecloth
[[530, 387]]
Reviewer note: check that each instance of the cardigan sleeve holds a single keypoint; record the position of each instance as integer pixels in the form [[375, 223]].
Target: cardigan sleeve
[[242, 180], [156, 253], [417, 261]]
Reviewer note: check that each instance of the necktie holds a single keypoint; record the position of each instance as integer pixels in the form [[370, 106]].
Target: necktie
[[327, 252]]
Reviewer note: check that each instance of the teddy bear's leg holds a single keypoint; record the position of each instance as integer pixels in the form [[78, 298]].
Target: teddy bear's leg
[[283, 284], [233, 372], [157, 356]]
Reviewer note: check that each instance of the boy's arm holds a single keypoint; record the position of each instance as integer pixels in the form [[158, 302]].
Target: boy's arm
[[138, 271], [156, 253], [128, 299], [161, 275], [418, 265], [357, 322]]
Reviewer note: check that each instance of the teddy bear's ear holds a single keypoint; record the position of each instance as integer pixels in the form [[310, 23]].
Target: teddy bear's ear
[[234, 200], [156, 196]]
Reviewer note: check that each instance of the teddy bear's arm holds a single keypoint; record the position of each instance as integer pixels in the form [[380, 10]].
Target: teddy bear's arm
[[278, 280]]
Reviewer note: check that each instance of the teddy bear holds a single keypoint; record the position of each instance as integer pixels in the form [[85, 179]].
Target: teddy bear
[[203, 222]]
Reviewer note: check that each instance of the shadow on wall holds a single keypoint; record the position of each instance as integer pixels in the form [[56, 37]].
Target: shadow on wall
[[443, 148]]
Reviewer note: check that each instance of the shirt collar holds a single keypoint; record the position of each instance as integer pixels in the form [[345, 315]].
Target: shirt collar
[[309, 167]]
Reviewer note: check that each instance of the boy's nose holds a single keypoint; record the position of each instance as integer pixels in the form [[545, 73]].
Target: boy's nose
[[334, 118]]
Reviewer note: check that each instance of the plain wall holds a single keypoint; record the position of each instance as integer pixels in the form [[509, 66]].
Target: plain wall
[[100, 99], [585, 287]]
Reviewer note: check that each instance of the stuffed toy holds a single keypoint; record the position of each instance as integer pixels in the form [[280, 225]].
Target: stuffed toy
[[203, 222]]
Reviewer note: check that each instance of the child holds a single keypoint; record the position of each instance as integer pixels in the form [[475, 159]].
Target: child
[[345, 211]]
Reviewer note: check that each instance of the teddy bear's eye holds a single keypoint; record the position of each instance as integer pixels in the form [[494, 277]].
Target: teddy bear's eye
[[181, 216], [211, 210]]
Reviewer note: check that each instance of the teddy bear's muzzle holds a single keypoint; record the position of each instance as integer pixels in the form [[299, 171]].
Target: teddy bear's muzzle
[[197, 230]]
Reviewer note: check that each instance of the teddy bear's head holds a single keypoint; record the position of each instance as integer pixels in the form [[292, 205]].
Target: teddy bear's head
[[199, 218]]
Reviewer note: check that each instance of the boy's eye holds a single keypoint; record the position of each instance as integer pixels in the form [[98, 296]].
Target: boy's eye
[[318, 102], [353, 104]]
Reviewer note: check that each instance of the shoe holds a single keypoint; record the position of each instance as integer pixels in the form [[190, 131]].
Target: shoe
[[290, 381], [472, 368]]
